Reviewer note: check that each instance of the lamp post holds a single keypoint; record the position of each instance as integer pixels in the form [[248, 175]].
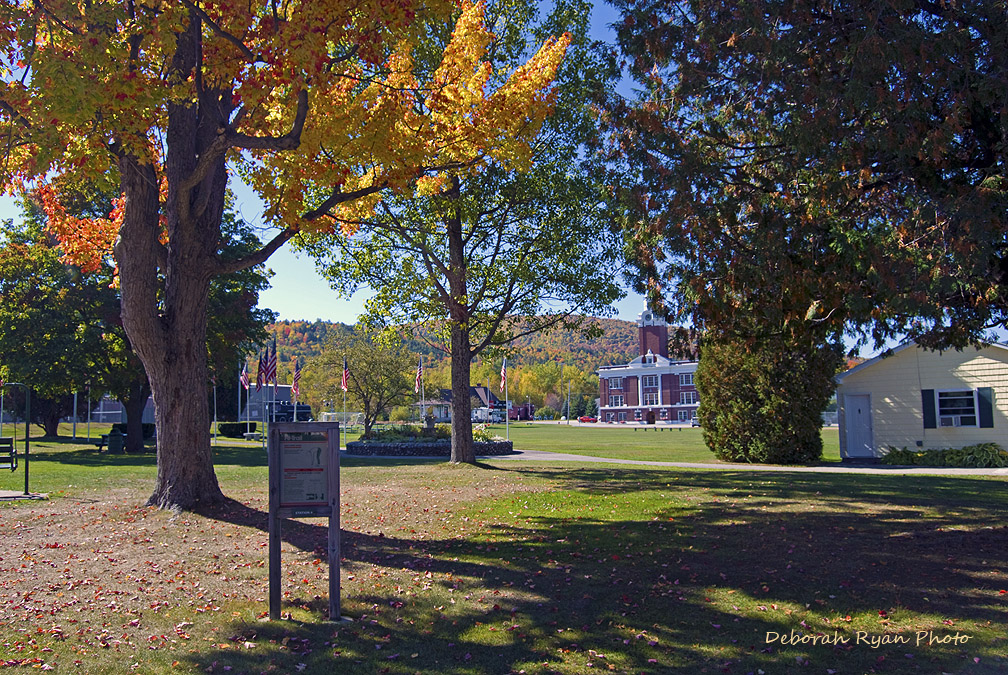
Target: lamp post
[[27, 430]]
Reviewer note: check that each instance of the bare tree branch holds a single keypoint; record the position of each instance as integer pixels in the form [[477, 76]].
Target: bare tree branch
[[246, 52], [256, 257]]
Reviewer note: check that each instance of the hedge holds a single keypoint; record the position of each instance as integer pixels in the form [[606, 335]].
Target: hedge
[[235, 429], [981, 455]]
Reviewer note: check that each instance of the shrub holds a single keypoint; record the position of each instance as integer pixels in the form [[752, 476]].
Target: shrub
[[981, 455], [763, 401], [400, 413], [234, 429], [408, 432], [547, 413], [482, 434]]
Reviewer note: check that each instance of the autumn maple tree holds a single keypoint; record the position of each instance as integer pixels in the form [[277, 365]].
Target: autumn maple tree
[[311, 101]]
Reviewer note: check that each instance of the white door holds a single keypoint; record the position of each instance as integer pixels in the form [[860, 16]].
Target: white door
[[857, 416]]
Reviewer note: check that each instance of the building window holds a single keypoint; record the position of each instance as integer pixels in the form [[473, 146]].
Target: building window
[[622, 417], [637, 415], [957, 409], [651, 381], [616, 383], [610, 417], [664, 413], [615, 401], [651, 398], [685, 379], [684, 416], [688, 398]]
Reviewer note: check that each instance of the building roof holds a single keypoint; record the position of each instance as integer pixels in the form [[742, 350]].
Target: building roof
[[649, 360], [892, 352], [485, 396]]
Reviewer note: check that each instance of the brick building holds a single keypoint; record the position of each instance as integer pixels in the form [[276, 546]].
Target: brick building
[[651, 388]]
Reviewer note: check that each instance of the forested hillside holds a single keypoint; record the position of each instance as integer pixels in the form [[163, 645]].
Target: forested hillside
[[535, 362], [617, 344]]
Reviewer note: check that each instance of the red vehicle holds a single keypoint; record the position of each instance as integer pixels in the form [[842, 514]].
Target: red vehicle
[[586, 418]]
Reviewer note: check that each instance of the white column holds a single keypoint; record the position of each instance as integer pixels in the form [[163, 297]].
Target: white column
[[640, 390]]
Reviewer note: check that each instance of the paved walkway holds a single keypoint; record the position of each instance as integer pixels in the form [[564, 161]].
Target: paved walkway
[[541, 456], [11, 495]]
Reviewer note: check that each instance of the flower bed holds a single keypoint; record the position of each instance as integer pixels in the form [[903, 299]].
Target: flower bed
[[424, 448]]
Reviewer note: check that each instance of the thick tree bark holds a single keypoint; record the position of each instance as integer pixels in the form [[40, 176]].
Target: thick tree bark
[[165, 288]]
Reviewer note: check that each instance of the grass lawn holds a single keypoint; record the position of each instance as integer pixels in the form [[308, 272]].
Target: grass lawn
[[508, 567], [657, 444]]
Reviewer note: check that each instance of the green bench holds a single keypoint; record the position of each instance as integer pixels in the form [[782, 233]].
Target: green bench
[[8, 455]]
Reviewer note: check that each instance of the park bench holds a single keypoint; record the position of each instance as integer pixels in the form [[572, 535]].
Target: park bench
[[116, 445], [252, 436], [8, 456]]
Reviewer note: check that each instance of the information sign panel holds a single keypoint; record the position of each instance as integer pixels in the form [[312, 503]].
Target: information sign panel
[[304, 469], [303, 482]]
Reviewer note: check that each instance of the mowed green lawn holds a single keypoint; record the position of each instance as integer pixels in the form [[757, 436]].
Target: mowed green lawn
[[508, 567], [646, 443]]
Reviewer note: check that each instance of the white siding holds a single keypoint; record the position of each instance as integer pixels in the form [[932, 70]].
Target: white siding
[[895, 385]]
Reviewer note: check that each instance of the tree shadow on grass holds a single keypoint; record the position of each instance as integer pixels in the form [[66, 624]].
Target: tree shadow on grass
[[987, 492], [686, 586]]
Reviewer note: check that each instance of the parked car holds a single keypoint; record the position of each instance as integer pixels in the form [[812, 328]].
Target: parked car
[[695, 422], [587, 418]]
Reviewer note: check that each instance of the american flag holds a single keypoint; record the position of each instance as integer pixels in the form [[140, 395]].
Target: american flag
[[244, 376], [295, 388], [503, 375], [271, 365], [261, 373], [419, 375], [344, 383]]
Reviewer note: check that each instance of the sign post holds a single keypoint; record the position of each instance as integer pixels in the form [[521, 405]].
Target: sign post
[[304, 483]]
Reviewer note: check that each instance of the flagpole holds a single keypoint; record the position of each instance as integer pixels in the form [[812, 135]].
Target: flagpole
[[507, 408]]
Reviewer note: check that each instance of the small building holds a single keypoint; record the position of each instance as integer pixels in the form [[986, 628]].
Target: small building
[[914, 398], [651, 388], [485, 405], [260, 402], [109, 410]]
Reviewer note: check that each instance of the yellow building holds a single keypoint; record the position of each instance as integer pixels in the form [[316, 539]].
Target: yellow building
[[914, 398]]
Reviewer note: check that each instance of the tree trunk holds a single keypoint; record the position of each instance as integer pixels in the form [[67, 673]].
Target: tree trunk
[[461, 351], [165, 287], [50, 419], [369, 419], [461, 439], [134, 405]]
